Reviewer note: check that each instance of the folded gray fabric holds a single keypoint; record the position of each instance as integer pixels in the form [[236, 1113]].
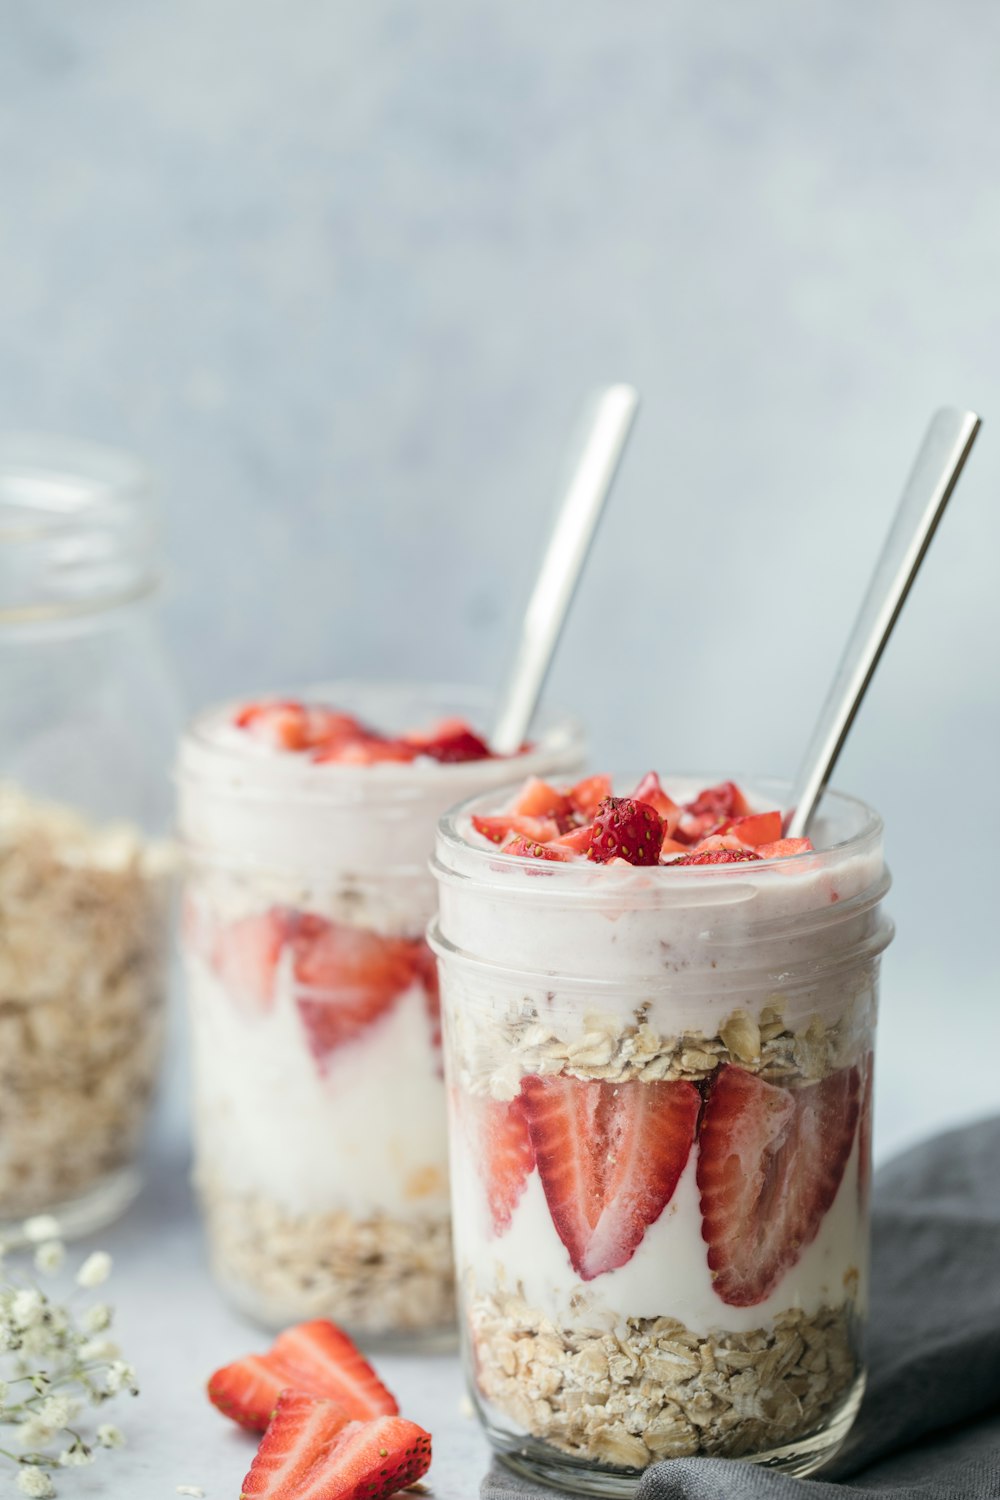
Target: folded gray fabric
[[929, 1426]]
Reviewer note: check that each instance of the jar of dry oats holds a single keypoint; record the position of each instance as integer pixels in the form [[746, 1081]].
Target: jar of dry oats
[[320, 1134], [660, 1093], [87, 715]]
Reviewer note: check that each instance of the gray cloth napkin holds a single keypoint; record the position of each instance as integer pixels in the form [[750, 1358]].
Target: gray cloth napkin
[[929, 1426]]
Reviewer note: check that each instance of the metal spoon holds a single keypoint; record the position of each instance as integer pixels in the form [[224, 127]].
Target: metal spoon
[[563, 563], [932, 480]]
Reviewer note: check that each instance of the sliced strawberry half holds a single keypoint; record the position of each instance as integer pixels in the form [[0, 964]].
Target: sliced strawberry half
[[245, 955], [769, 1166], [498, 1136], [311, 1452], [499, 829], [316, 1358], [626, 829], [587, 796], [754, 828], [349, 978], [609, 1156]]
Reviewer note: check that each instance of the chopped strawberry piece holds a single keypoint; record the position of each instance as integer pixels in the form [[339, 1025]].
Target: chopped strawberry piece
[[670, 847], [289, 725], [716, 857], [769, 1166], [504, 1158], [539, 800], [712, 806], [577, 841], [531, 849], [609, 1156], [311, 1452], [587, 796], [497, 830], [456, 743], [245, 954], [651, 792], [754, 828], [717, 841], [784, 848], [626, 829], [364, 750], [316, 1358], [350, 979]]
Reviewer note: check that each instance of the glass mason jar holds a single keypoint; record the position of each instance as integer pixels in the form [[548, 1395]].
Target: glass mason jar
[[320, 1131], [660, 1102], [87, 716]]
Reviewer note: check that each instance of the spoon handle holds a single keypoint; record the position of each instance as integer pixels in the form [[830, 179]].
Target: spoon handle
[[563, 562], [932, 480]]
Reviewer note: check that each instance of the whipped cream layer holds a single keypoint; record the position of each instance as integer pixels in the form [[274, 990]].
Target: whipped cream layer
[[668, 1276], [366, 1133]]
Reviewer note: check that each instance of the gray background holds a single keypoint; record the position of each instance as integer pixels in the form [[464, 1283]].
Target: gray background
[[344, 273]]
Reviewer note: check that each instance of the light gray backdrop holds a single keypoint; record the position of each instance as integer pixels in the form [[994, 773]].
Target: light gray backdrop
[[343, 273]]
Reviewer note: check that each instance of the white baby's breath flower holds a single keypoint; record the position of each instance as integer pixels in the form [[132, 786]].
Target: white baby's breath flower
[[49, 1257], [95, 1270], [76, 1457], [110, 1436], [41, 1227], [27, 1308], [96, 1318], [39, 1342], [36, 1483], [34, 1433], [96, 1349], [59, 1411], [119, 1376]]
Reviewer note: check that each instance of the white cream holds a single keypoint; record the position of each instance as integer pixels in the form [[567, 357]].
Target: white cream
[[366, 1133]]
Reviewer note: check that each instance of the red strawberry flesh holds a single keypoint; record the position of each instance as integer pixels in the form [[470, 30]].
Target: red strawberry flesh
[[246, 951], [609, 1156], [626, 829], [348, 978], [310, 1452], [715, 857], [504, 1156]]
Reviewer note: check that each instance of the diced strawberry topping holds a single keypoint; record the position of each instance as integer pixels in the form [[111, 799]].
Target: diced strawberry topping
[[502, 1147], [715, 857], [539, 800], [712, 806], [530, 849], [609, 1156], [332, 736], [769, 1166], [626, 829], [349, 978], [651, 792], [458, 745], [498, 830], [753, 828], [587, 796], [784, 848], [311, 1452], [245, 954], [316, 1358], [577, 841]]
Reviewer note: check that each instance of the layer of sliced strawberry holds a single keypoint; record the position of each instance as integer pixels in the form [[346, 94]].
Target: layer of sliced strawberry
[[609, 1156], [348, 978], [328, 735], [501, 1145], [770, 1163], [316, 1358], [626, 829], [245, 954], [311, 1451]]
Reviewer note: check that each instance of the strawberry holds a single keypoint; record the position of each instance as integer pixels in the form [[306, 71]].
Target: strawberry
[[499, 829], [245, 954], [539, 800], [783, 848], [310, 1452], [712, 806], [650, 791], [867, 1067], [315, 1358], [753, 828], [364, 750], [503, 1154], [532, 850], [350, 979], [289, 725], [587, 796], [426, 967], [769, 1166], [609, 1156], [715, 857], [577, 841], [626, 829], [454, 742]]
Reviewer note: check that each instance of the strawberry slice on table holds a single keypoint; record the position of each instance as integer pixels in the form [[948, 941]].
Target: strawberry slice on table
[[245, 954], [770, 1163], [310, 1452], [504, 1156], [609, 1156], [626, 829], [349, 977], [587, 796], [316, 1358]]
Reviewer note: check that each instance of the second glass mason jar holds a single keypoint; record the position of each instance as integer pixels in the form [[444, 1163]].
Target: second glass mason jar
[[660, 1089], [320, 1133], [88, 718]]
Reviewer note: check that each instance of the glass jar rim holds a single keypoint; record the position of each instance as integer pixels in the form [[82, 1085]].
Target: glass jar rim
[[79, 531]]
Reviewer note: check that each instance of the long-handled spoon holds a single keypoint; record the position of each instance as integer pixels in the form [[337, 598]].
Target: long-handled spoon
[[932, 480], [563, 563]]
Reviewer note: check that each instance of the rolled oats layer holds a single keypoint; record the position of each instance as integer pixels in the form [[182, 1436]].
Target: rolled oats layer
[[83, 929], [651, 1389], [373, 1275]]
